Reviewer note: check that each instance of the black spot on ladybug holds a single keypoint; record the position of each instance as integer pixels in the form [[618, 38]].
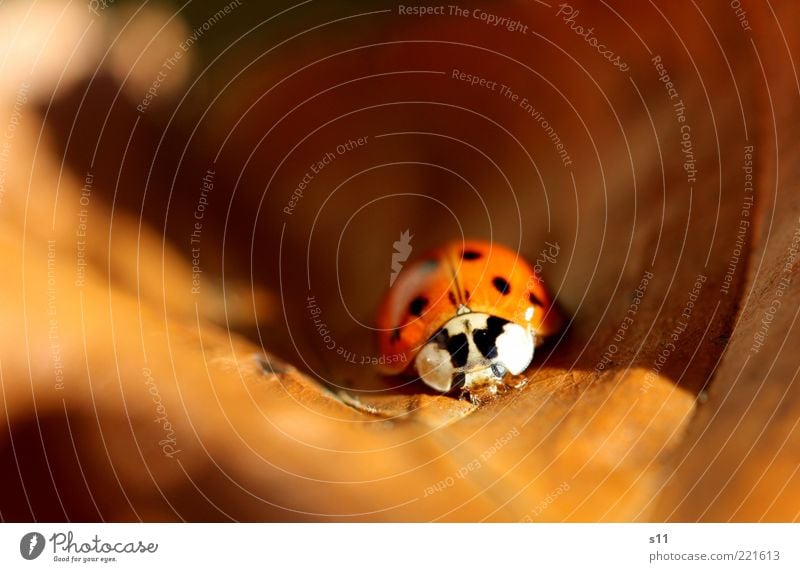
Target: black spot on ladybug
[[396, 334], [501, 285], [452, 297], [471, 255], [533, 299], [466, 295], [459, 350], [417, 305], [486, 340], [459, 379]]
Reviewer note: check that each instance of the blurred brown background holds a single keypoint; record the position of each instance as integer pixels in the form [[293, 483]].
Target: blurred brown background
[[135, 390]]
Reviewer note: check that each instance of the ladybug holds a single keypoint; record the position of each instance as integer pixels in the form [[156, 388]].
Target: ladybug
[[468, 314]]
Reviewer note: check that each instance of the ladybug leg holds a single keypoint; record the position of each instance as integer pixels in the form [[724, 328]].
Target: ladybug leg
[[517, 382]]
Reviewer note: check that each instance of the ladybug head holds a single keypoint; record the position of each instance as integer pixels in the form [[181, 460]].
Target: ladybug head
[[474, 349]]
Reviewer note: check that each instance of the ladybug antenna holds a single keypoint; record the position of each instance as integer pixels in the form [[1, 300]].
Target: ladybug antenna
[[455, 287]]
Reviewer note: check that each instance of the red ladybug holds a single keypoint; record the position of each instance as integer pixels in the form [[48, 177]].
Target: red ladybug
[[467, 314]]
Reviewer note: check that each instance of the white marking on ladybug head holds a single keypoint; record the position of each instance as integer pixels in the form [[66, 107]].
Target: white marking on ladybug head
[[434, 367], [474, 349], [515, 348]]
